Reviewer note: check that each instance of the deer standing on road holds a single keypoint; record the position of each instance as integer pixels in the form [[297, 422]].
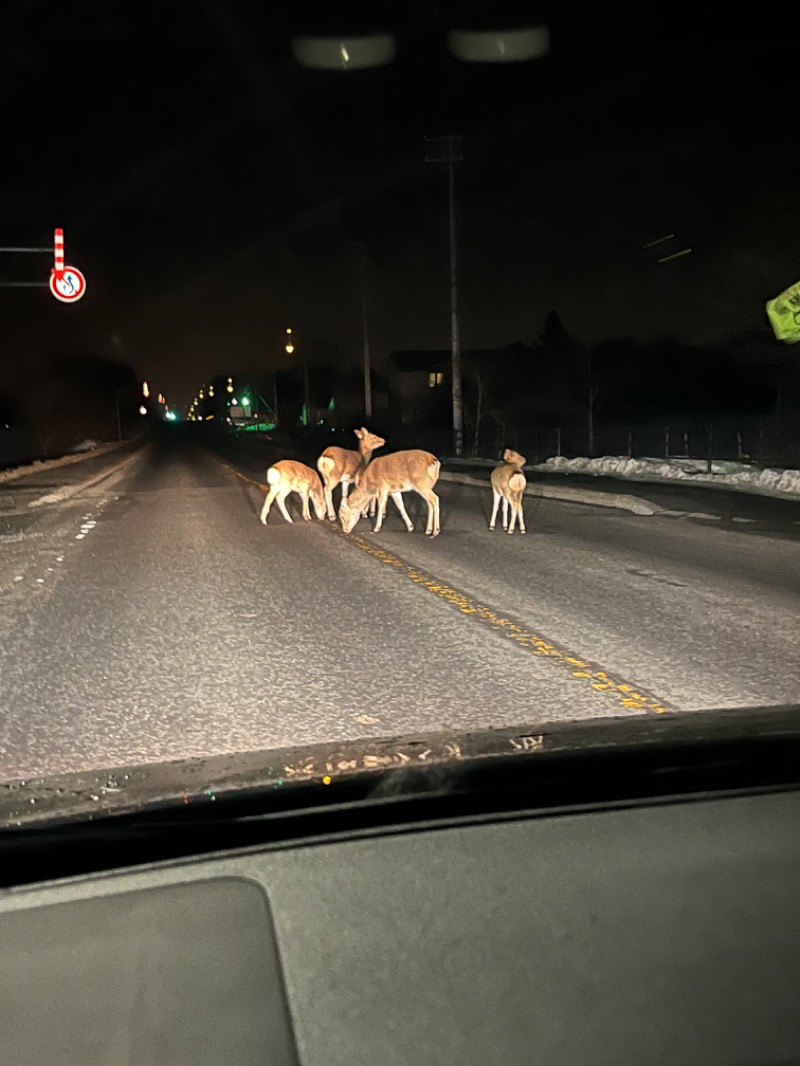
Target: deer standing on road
[[508, 485], [392, 475], [340, 466], [290, 476]]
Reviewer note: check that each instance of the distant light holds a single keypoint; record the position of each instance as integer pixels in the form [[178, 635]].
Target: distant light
[[235, 402], [230, 388], [290, 348], [210, 391], [209, 417], [145, 389], [499, 46], [288, 329], [143, 410]]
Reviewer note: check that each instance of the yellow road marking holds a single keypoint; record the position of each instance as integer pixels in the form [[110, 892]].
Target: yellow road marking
[[233, 470], [619, 692]]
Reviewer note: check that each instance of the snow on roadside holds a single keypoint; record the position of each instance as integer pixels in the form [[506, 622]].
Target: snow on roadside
[[723, 474], [40, 465]]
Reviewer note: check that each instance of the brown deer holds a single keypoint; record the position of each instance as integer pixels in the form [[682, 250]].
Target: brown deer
[[289, 476], [392, 475], [508, 485], [340, 466]]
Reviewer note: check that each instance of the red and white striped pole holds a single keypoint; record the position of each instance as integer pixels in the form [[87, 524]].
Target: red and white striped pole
[[59, 252]]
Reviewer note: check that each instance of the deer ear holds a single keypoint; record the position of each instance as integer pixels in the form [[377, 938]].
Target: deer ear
[[506, 454], [359, 433]]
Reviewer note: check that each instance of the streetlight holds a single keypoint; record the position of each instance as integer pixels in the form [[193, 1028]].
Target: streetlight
[[289, 348]]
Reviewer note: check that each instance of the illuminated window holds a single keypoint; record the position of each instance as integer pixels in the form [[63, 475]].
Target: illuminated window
[[434, 380]]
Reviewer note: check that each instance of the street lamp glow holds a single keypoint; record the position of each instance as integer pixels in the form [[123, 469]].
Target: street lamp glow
[[230, 387], [145, 389], [211, 391], [143, 410], [290, 348]]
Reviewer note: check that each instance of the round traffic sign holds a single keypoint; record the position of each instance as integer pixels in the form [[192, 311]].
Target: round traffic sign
[[67, 285]]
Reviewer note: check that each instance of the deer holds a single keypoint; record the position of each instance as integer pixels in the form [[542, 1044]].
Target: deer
[[508, 485], [392, 475], [287, 476], [340, 466]]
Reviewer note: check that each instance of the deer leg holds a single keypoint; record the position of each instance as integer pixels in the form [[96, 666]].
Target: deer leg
[[382, 500], [306, 512], [398, 499], [519, 514], [282, 506], [329, 500], [505, 513], [495, 505], [432, 500], [513, 516], [267, 504]]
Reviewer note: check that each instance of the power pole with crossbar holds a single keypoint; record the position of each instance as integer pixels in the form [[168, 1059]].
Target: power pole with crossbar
[[365, 334]]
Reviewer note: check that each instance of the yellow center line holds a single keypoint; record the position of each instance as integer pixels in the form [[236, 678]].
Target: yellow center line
[[577, 668], [233, 470]]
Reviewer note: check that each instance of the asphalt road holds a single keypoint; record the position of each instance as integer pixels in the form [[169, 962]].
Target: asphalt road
[[153, 617]]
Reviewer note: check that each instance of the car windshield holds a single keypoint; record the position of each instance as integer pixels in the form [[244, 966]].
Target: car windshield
[[410, 377]]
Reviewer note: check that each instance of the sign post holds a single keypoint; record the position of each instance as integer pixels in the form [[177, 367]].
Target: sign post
[[66, 283]]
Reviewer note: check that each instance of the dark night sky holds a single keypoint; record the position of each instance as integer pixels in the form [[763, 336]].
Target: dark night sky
[[211, 189]]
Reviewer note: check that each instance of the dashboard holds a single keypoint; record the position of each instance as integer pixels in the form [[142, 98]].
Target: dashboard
[[654, 932]]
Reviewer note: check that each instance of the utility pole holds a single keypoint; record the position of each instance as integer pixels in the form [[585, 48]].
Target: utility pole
[[365, 335], [448, 150], [305, 386]]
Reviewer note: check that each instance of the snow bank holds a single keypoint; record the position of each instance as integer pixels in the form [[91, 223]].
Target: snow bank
[[83, 450], [723, 474], [84, 446]]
